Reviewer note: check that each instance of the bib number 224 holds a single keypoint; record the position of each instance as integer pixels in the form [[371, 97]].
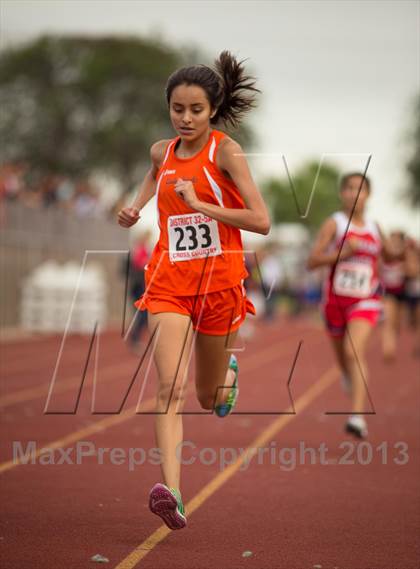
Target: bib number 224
[[352, 279]]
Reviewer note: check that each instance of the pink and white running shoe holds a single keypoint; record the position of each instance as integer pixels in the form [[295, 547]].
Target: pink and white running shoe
[[167, 504]]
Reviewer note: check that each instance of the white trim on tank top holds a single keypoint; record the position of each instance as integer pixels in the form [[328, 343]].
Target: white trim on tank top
[[342, 221], [168, 151], [215, 187], [212, 149], [157, 196]]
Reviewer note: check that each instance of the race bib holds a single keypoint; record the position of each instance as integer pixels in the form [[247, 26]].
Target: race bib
[[192, 236], [352, 279]]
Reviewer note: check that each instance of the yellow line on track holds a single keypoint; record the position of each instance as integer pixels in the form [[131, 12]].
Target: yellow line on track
[[254, 362], [80, 434], [276, 426], [73, 382]]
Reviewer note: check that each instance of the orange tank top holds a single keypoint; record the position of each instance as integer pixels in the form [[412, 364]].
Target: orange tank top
[[195, 254]]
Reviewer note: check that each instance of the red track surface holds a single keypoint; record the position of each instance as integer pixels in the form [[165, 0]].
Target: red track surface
[[345, 516]]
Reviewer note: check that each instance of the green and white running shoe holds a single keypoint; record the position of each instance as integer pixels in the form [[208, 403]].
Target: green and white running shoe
[[225, 408]]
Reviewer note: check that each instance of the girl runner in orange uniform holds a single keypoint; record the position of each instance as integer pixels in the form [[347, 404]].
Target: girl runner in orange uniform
[[194, 279]]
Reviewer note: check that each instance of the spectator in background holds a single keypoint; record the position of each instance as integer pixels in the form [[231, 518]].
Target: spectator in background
[[11, 181], [138, 259], [412, 289], [18, 183], [312, 289], [65, 192], [272, 278], [401, 282], [252, 282], [86, 201], [393, 274], [49, 191]]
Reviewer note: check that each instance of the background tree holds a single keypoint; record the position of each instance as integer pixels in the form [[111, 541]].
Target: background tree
[[413, 165], [288, 201], [75, 105]]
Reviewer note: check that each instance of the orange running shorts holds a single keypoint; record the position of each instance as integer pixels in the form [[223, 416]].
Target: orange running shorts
[[217, 313]]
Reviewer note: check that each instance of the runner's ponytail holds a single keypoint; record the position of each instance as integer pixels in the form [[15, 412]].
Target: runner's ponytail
[[237, 87], [231, 93]]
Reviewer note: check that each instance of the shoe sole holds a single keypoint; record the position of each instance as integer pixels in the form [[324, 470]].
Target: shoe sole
[[163, 503]]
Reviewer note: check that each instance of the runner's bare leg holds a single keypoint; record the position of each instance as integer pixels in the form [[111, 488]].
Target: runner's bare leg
[[355, 343], [212, 360], [171, 357]]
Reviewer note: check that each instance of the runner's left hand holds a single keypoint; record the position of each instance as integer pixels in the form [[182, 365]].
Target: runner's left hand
[[186, 191]]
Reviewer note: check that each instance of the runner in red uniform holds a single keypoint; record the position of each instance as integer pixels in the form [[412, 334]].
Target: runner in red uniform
[[393, 276], [351, 246], [195, 294]]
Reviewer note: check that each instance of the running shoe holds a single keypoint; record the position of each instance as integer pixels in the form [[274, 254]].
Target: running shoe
[[167, 503], [225, 408], [356, 426]]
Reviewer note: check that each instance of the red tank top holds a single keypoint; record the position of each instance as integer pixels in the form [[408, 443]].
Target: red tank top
[[355, 278], [195, 253], [393, 276]]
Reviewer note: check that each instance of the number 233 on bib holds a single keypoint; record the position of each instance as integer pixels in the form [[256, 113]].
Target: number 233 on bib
[[192, 236]]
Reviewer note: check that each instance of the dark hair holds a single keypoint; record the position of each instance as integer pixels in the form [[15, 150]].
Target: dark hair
[[227, 87], [347, 177]]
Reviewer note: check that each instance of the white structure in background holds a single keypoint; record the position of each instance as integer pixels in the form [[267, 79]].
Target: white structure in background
[[293, 240], [53, 296], [148, 220], [284, 267]]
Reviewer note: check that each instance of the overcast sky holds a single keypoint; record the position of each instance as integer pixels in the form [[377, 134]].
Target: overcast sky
[[338, 78]]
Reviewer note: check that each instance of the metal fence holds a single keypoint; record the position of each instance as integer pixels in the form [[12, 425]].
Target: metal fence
[[30, 236]]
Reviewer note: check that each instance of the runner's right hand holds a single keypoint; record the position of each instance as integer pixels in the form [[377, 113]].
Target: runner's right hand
[[349, 248], [128, 216]]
